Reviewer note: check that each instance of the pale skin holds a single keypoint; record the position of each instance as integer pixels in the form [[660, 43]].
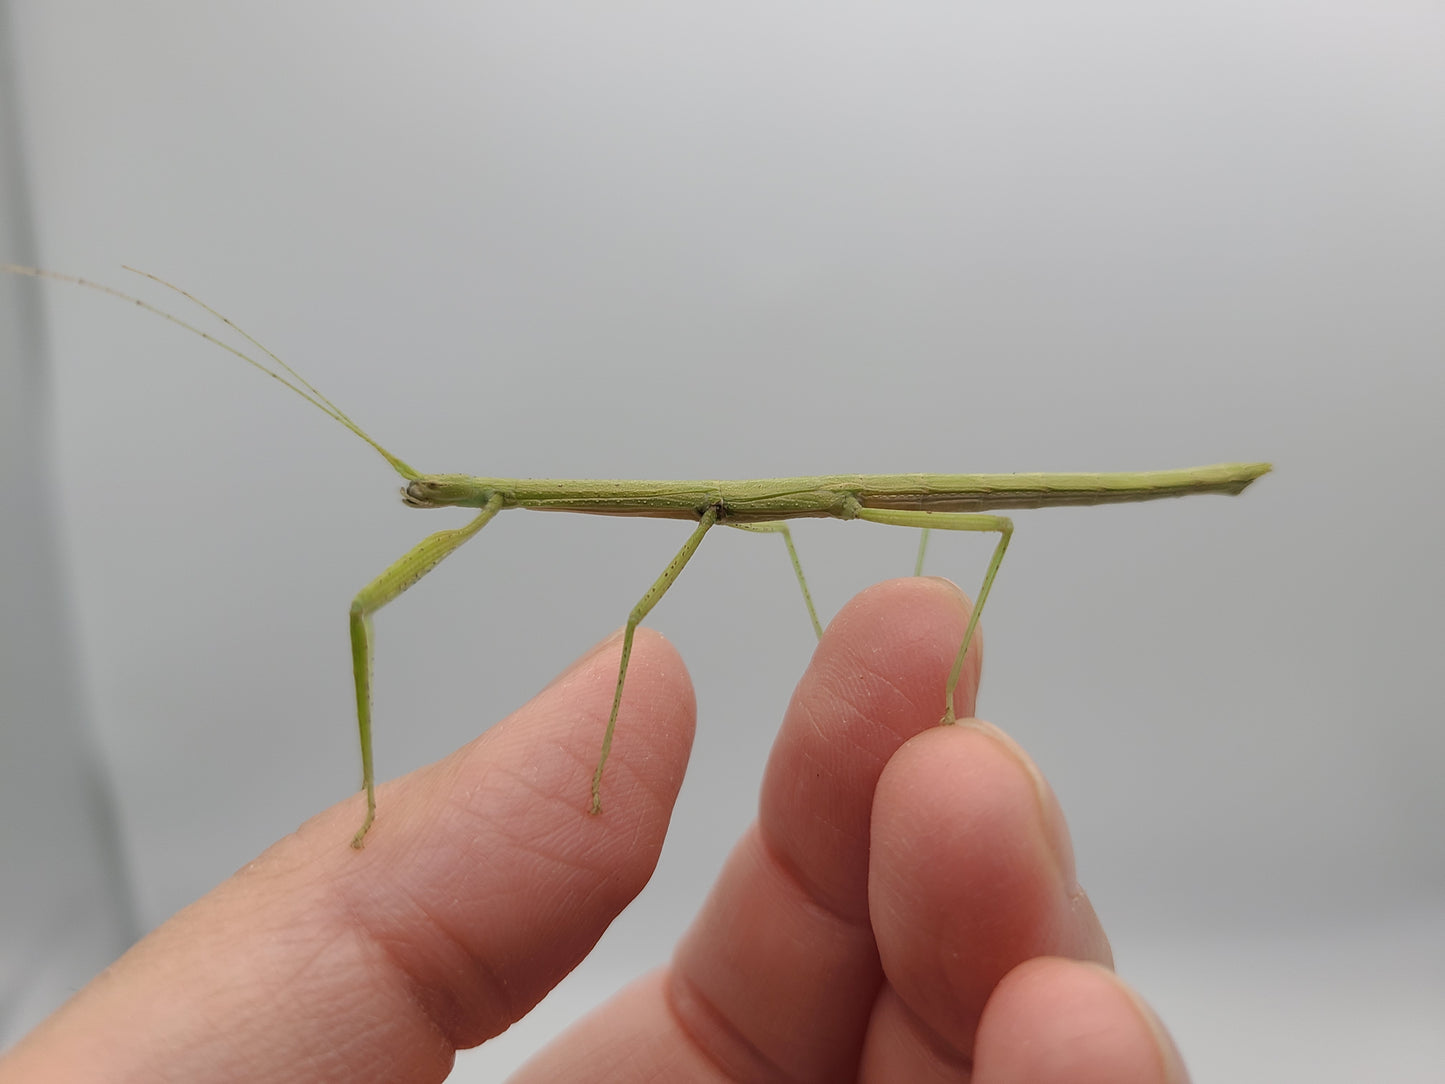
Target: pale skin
[[905, 906], [954, 502]]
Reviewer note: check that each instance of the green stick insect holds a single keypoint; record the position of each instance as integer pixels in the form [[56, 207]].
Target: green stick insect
[[952, 502]]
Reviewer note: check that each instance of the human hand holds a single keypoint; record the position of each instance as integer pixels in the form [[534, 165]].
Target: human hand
[[904, 908]]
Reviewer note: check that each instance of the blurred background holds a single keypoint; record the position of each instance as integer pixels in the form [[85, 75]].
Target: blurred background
[[653, 239]]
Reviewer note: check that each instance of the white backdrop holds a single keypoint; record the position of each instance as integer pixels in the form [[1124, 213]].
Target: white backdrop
[[656, 239]]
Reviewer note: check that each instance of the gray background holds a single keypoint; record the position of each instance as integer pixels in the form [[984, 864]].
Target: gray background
[[655, 239]]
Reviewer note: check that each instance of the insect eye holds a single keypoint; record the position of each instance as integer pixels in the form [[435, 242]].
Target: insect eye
[[420, 493]]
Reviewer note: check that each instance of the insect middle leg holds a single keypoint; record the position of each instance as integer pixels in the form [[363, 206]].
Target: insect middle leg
[[953, 521], [642, 609], [779, 527]]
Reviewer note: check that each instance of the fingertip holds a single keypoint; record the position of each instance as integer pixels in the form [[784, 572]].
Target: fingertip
[[1052, 825], [972, 792], [971, 874], [659, 705], [927, 599], [1057, 1020], [482, 883], [544, 754], [899, 635], [506, 820], [933, 612]]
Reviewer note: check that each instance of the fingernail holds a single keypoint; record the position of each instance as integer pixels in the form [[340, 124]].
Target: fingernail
[[1168, 1052]]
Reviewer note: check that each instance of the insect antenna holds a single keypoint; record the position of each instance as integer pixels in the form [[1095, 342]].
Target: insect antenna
[[282, 373]]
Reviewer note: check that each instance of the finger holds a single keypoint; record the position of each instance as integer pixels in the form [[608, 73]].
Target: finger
[[1054, 1021], [778, 975], [483, 882], [973, 873]]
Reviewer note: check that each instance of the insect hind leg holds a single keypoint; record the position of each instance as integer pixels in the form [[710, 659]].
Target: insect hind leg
[[953, 521]]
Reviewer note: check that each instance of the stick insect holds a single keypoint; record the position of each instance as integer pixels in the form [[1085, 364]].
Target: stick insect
[[953, 502]]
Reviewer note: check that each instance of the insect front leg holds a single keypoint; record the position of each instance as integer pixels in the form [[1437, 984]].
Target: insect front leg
[[416, 563], [642, 609], [953, 521]]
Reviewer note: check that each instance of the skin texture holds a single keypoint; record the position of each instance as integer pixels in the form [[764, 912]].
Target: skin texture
[[904, 908]]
